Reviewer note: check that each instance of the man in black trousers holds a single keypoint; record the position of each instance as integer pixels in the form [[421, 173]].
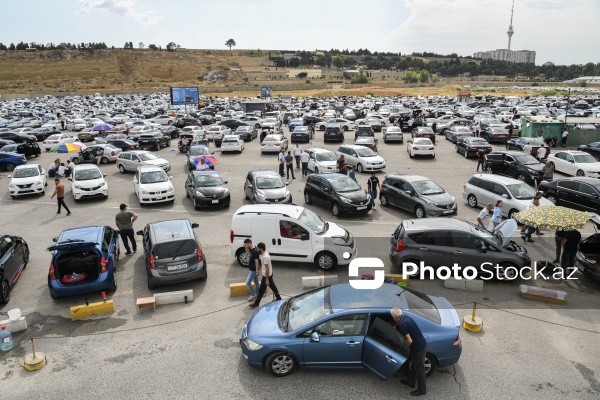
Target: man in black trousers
[[267, 276], [418, 350]]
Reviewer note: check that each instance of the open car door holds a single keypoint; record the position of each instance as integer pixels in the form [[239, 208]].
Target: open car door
[[384, 349]]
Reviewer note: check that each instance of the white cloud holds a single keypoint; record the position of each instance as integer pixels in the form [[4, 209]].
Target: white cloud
[[124, 8]]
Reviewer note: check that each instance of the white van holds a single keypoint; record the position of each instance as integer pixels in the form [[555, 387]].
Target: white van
[[291, 233]]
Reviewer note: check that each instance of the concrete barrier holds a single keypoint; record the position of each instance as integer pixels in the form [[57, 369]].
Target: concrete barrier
[[329, 280], [238, 289], [543, 294], [311, 281], [474, 285], [94, 309], [19, 325], [398, 278], [181, 296], [452, 283]]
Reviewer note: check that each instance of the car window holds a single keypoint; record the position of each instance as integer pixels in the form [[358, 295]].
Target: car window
[[407, 187], [568, 157], [345, 325], [499, 189], [568, 185], [464, 240], [387, 335], [175, 248], [560, 156], [5, 245], [291, 230], [436, 238], [106, 239]]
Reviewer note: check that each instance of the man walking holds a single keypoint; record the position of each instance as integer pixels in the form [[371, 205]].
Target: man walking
[[570, 245], [418, 350], [305, 158], [565, 135], [282, 162], [483, 219], [352, 173], [373, 186], [124, 221], [254, 267], [297, 154], [289, 165], [481, 159], [59, 192], [267, 276]]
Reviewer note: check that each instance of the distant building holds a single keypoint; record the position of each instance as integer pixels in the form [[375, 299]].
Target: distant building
[[515, 56]]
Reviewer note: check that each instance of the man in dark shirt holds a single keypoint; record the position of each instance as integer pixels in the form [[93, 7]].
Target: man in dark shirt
[[481, 159], [254, 267], [418, 350], [570, 243], [372, 186], [289, 165]]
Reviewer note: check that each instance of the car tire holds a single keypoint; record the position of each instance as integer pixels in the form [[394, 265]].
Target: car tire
[[113, 287], [457, 149], [4, 292], [410, 154], [472, 200], [507, 147], [104, 160], [280, 364], [383, 200], [513, 273], [335, 209], [307, 198], [151, 285], [168, 143], [417, 263], [580, 173], [552, 199], [10, 167], [326, 260], [420, 212], [521, 177], [158, 146], [122, 169], [242, 257], [359, 167], [466, 153], [42, 193]]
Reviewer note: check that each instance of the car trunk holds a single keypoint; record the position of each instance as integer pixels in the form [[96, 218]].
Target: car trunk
[[77, 263], [175, 257], [590, 248]]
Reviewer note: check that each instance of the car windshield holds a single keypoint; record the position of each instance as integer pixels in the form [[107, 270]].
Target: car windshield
[[521, 191], [526, 159], [344, 184], [53, 137], [423, 142], [584, 159], [87, 174], [365, 152], [307, 308], [208, 180], [427, 188], [199, 151], [153, 177], [269, 182], [313, 221], [174, 249], [485, 234], [25, 172], [325, 156], [148, 156]]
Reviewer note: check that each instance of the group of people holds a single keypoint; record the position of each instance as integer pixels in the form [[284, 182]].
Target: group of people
[[373, 185], [286, 162]]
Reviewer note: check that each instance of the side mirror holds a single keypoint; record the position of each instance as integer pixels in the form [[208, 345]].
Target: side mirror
[[170, 177], [141, 233], [505, 196], [195, 225], [287, 183], [55, 239], [483, 249], [314, 337], [225, 182], [408, 192], [249, 186], [104, 175]]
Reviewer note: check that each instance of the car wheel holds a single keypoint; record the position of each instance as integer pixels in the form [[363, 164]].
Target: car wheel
[[151, 285], [507, 272], [488, 170], [472, 200], [521, 177], [457, 149], [383, 199], [344, 128], [42, 193], [359, 167], [325, 260], [4, 292], [552, 199], [466, 153], [168, 143], [13, 197], [242, 257], [410, 154], [122, 169], [335, 209], [420, 212], [414, 275], [580, 173], [280, 364], [307, 198], [113, 288], [512, 214], [105, 160], [507, 147], [9, 167], [430, 364], [75, 160], [157, 146]]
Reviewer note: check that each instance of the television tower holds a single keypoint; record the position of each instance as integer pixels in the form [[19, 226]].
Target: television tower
[[510, 28]]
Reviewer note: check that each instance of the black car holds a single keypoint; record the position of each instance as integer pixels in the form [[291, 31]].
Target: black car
[[520, 143], [124, 144], [170, 131], [183, 122], [516, 165], [17, 137], [206, 119], [233, 124], [364, 130], [587, 259], [301, 134], [338, 192], [155, 140], [579, 193], [14, 256], [27, 149], [4, 142], [424, 132], [207, 190], [592, 148], [42, 133], [333, 133], [469, 146], [496, 134], [172, 252], [247, 132], [266, 187]]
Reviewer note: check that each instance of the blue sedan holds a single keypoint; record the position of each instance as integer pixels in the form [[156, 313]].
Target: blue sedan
[[9, 161], [84, 260], [342, 327]]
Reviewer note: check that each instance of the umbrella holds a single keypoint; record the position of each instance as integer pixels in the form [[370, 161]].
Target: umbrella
[[553, 217], [208, 160], [49, 116], [66, 148], [102, 127]]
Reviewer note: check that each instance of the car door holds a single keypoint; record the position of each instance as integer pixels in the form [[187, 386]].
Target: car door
[[406, 201], [190, 186], [467, 249], [134, 162], [384, 349], [312, 161], [589, 197], [8, 261], [294, 241], [351, 157], [266, 229], [568, 193], [509, 166], [338, 342], [569, 164], [390, 189], [435, 248], [322, 190], [559, 161]]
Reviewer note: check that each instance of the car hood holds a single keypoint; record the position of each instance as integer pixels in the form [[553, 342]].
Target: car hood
[[374, 159], [264, 321], [155, 187], [505, 230], [336, 230], [274, 193], [25, 181], [90, 183], [158, 161], [329, 164], [355, 196], [212, 190], [535, 167], [442, 198], [592, 167]]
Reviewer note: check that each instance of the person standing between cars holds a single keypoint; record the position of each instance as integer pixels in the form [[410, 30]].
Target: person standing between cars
[[434, 126], [548, 171], [297, 154], [483, 219], [62, 124], [418, 351], [481, 157], [267, 276], [528, 230], [373, 186], [541, 153], [254, 267], [59, 192], [497, 215], [281, 162], [124, 221], [289, 165], [478, 129], [99, 154], [565, 136], [202, 165], [558, 238], [305, 158], [341, 164], [570, 243], [352, 174], [527, 148], [510, 131]]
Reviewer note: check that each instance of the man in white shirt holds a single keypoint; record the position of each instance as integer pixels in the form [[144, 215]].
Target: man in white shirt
[[267, 276], [541, 153], [281, 162], [483, 220], [202, 165], [305, 158], [297, 154], [527, 148], [565, 135]]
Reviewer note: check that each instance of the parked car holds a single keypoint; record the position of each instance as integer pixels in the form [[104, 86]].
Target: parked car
[[580, 193], [515, 165], [57, 139], [27, 179], [457, 132], [363, 158], [393, 134], [341, 123], [482, 189], [270, 123], [301, 134], [321, 160], [367, 141], [495, 134], [333, 133], [420, 147], [469, 146], [27, 149], [110, 153], [138, 130], [338, 192], [266, 187], [87, 135], [5, 142], [87, 181], [84, 260], [17, 137], [232, 143], [170, 131], [42, 133], [14, 257], [193, 129], [196, 151], [320, 322], [131, 160], [424, 132], [151, 184], [587, 259], [206, 189], [75, 124], [216, 133], [193, 139], [248, 133], [446, 122], [520, 143], [592, 148], [154, 140], [273, 144], [364, 130], [417, 195], [9, 161], [172, 253], [124, 144], [375, 123], [575, 163]]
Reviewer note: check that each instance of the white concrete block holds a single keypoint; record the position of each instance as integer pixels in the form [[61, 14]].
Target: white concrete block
[[15, 326], [474, 285], [311, 281], [452, 283], [329, 280], [173, 297]]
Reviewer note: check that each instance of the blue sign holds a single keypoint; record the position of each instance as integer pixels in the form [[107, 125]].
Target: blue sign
[[266, 91], [184, 95]]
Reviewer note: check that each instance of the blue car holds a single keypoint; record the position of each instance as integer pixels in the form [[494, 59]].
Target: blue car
[[84, 260], [342, 327], [301, 134], [295, 122], [9, 161]]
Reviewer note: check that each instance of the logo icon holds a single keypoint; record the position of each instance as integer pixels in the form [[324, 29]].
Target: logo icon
[[366, 262]]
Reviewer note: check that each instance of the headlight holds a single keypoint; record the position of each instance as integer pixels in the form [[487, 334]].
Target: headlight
[[142, 191], [171, 189], [76, 186], [339, 240], [199, 194], [260, 194], [453, 200], [253, 346], [345, 200], [431, 203], [12, 185]]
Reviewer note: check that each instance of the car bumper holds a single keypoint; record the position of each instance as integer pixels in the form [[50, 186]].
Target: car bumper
[[432, 211], [156, 198], [25, 191], [157, 280], [227, 148], [371, 167], [80, 194], [298, 138], [592, 174], [270, 149], [288, 200], [592, 271], [393, 139], [208, 202], [104, 282], [355, 208]]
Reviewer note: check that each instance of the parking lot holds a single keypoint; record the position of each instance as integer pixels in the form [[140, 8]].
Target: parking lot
[[534, 349]]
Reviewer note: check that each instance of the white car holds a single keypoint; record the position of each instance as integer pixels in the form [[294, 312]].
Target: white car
[[193, 129], [121, 118], [575, 163], [216, 132], [56, 139], [87, 181], [273, 144], [321, 160], [270, 123], [152, 185], [111, 153], [361, 157], [27, 179], [232, 143], [342, 123], [75, 124], [420, 147], [163, 119], [133, 159]]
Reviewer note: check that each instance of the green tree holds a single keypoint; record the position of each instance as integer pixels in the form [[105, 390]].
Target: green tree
[[424, 76], [141, 45], [171, 46], [411, 77], [230, 43], [360, 78], [152, 47], [337, 61]]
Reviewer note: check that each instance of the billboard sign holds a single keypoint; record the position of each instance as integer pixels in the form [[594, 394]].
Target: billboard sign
[[266, 91], [184, 95]]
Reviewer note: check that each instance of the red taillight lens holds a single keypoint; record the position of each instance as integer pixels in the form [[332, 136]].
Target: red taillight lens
[[51, 272], [415, 148], [472, 147], [200, 255], [131, 147], [103, 265], [151, 261], [231, 235], [262, 144], [432, 148], [465, 186], [457, 340], [112, 153], [400, 246], [277, 144]]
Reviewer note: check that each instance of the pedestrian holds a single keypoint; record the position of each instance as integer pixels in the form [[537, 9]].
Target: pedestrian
[[59, 192], [554, 142], [483, 219], [541, 153], [281, 158], [434, 126], [570, 245], [305, 158], [267, 276], [548, 171], [510, 131], [527, 148], [558, 238], [497, 215], [535, 202], [477, 129], [352, 173], [418, 351], [99, 155], [62, 124], [289, 165], [565, 136], [254, 268], [54, 168], [124, 221], [481, 157], [341, 164], [68, 169], [373, 185], [297, 154]]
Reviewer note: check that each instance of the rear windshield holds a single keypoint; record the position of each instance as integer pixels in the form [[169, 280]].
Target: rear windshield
[[421, 305], [175, 249]]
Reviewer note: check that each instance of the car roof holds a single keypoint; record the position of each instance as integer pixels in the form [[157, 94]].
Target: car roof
[[149, 168], [85, 234], [584, 179], [86, 166], [319, 150], [435, 223], [573, 152], [25, 166], [263, 173], [136, 152], [352, 146], [333, 176], [409, 177], [498, 178], [344, 296], [167, 231], [289, 210]]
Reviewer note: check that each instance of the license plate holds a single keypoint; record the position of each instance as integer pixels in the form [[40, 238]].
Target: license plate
[[361, 208], [176, 267], [215, 201]]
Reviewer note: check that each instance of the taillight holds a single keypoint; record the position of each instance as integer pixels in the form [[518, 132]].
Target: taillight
[[104, 265], [277, 144], [457, 340], [472, 147], [112, 153], [415, 148], [131, 147], [465, 186], [151, 261], [432, 148], [231, 235], [262, 144], [400, 246], [51, 272], [200, 255]]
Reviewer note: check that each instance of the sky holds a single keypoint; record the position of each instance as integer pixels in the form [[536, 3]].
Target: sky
[[564, 32]]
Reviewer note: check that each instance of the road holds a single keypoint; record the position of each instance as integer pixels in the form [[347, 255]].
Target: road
[[526, 349]]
